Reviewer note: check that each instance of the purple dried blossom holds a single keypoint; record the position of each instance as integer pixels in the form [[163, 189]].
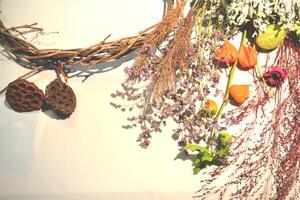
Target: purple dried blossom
[[175, 135]]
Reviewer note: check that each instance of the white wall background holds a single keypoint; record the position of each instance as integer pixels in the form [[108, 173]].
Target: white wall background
[[89, 155]]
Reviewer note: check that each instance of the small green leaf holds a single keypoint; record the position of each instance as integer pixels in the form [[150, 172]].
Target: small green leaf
[[297, 30], [196, 161], [223, 152], [207, 157], [225, 138], [196, 170], [195, 147]]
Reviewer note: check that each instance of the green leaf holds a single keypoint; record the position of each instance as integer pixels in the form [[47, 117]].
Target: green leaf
[[207, 157], [225, 138], [196, 161], [195, 147], [196, 170], [297, 30], [223, 152]]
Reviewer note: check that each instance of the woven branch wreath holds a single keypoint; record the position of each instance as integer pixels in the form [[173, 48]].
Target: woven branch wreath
[[176, 77]]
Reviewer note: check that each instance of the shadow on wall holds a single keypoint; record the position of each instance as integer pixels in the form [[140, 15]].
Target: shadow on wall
[[16, 140], [80, 71]]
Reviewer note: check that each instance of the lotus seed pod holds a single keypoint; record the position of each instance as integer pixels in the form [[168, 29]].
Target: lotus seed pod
[[60, 98], [24, 96]]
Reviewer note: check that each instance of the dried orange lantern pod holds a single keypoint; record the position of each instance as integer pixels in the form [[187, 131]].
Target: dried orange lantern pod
[[226, 53], [239, 93], [247, 57]]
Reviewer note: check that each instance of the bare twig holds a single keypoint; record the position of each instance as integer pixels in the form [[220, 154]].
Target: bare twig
[[27, 74]]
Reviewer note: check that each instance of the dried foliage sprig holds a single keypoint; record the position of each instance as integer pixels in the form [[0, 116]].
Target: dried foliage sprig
[[176, 58], [13, 41], [159, 34], [101, 52]]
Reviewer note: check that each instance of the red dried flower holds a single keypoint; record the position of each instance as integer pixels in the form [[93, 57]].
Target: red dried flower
[[275, 76]]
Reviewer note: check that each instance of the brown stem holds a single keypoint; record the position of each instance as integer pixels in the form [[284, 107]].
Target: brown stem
[[31, 72]]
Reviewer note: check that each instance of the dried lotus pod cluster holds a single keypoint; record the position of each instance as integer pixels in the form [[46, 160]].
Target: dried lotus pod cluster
[[60, 98], [25, 96]]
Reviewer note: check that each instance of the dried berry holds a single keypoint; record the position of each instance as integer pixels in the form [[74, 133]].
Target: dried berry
[[60, 98], [24, 96]]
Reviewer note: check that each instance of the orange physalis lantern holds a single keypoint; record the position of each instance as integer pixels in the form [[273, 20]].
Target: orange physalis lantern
[[247, 57], [226, 53], [239, 93]]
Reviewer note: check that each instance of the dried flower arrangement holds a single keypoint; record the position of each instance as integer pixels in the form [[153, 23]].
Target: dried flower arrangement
[[176, 76]]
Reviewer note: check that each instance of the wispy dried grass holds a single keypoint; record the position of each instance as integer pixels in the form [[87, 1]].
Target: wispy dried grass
[[176, 58], [159, 34]]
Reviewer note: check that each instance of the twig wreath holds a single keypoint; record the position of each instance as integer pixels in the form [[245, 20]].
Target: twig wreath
[[176, 77]]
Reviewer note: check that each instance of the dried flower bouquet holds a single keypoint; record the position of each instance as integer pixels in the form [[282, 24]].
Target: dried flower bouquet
[[176, 77]]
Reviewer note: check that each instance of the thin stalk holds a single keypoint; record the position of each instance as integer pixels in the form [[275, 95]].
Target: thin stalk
[[200, 25], [229, 82], [263, 80], [196, 2], [33, 71], [209, 21]]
